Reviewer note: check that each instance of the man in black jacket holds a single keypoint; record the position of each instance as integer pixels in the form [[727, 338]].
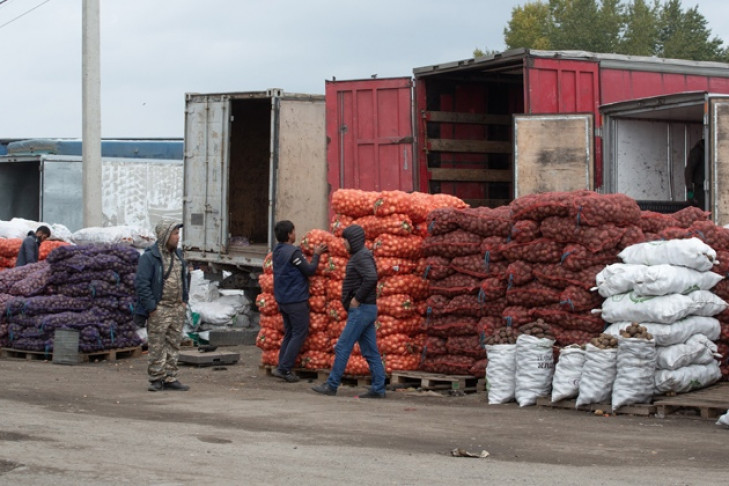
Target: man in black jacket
[[29, 248], [291, 274], [359, 297], [694, 174]]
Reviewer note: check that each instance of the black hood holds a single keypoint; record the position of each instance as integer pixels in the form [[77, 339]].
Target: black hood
[[356, 237]]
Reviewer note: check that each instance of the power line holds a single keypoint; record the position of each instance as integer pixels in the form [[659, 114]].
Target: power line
[[23, 14]]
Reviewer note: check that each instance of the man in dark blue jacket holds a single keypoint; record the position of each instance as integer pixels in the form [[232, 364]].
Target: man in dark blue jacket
[[29, 248], [162, 288], [291, 272], [359, 297]]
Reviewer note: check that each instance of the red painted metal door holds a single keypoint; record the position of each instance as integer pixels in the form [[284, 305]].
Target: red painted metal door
[[370, 134]]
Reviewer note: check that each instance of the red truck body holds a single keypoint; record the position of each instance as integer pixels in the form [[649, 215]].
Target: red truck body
[[456, 120]]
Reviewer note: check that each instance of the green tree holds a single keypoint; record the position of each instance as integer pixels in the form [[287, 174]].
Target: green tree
[[685, 35], [584, 25], [640, 36], [528, 27], [638, 27]]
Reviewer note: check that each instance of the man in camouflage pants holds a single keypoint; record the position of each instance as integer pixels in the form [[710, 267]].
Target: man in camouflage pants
[[162, 290]]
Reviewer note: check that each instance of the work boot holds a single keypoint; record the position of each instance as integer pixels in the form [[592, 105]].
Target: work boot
[[176, 385], [155, 386], [288, 376], [324, 389], [371, 394]]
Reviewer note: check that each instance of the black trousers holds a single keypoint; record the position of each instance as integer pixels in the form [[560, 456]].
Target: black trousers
[[296, 329]]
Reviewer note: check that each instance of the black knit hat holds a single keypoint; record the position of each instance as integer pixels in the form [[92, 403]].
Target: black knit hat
[[356, 237]]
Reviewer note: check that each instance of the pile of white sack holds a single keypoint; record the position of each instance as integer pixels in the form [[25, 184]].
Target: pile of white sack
[[218, 308], [521, 371], [134, 236], [665, 287], [19, 228]]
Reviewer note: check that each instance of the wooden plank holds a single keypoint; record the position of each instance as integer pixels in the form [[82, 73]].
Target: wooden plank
[[106, 354], [468, 146], [468, 118], [471, 175], [708, 403], [552, 153], [434, 381], [643, 409]]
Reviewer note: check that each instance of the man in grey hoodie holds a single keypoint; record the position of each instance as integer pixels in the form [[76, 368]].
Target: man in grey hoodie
[[359, 297]]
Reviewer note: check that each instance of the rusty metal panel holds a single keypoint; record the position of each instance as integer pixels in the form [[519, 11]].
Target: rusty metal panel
[[718, 114], [205, 170], [370, 134], [552, 153]]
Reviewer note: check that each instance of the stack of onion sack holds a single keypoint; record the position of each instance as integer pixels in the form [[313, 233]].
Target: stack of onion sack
[[88, 288], [271, 322], [28, 280], [559, 241], [324, 304], [9, 248], [395, 225], [465, 271]]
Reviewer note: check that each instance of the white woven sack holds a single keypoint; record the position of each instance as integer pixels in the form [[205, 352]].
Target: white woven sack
[[692, 377], [567, 373], [501, 373], [663, 309], [534, 369], [707, 303], [691, 252], [724, 420], [676, 333], [653, 279], [598, 375], [698, 349], [636, 367]]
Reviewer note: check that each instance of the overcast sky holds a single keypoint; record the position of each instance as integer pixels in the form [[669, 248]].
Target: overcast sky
[[154, 51]]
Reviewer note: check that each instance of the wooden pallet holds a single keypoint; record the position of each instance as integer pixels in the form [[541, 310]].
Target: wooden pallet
[[644, 409], [707, 403], [106, 354], [434, 381], [322, 375]]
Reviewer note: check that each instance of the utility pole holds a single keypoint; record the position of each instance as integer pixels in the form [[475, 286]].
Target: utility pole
[[91, 119]]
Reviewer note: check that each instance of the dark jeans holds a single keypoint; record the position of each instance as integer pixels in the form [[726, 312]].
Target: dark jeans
[[360, 328], [296, 328]]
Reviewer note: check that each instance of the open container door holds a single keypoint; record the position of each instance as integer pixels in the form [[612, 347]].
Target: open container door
[[717, 108], [369, 131], [553, 153], [206, 152]]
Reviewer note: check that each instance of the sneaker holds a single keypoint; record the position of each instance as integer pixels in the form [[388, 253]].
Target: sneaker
[[155, 386], [288, 376], [371, 394], [175, 385], [324, 389]]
